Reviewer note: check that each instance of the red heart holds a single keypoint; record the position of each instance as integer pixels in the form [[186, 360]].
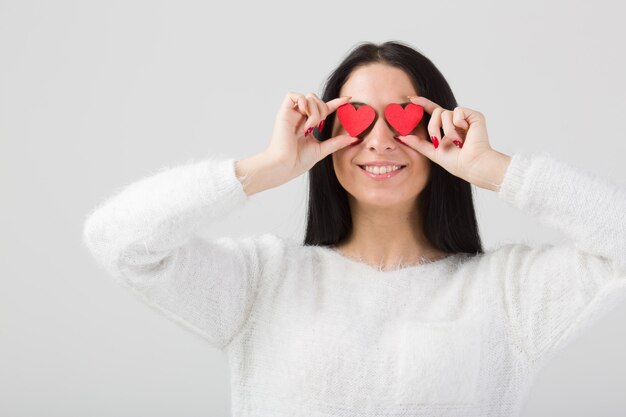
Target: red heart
[[354, 120], [405, 119]]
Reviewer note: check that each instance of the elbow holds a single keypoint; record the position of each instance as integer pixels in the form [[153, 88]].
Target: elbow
[[97, 239]]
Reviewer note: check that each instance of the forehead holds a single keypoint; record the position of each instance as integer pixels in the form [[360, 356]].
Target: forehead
[[378, 84]]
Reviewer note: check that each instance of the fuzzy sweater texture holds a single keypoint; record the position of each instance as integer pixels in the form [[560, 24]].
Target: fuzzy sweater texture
[[310, 332]]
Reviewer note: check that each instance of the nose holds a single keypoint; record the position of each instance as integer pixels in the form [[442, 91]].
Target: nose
[[380, 136]]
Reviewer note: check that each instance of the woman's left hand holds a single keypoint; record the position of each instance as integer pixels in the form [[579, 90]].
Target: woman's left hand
[[465, 141]]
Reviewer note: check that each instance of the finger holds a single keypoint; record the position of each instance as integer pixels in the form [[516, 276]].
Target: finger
[[335, 143], [300, 103], [434, 127], [295, 100], [328, 108], [472, 116], [449, 129], [429, 106], [291, 97], [335, 103], [323, 112], [459, 120], [314, 113], [419, 144], [451, 134], [302, 106]]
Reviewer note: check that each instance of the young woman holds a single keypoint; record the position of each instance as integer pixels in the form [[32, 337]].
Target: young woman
[[390, 306]]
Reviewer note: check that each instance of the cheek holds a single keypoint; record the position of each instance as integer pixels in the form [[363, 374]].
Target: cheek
[[421, 163], [421, 129], [421, 171], [337, 128], [340, 162], [343, 168], [337, 164]]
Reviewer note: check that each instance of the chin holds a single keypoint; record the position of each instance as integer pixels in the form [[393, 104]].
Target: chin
[[381, 198]]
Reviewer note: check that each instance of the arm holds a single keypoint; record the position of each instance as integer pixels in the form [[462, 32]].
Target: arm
[[553, 292], [147, 237]]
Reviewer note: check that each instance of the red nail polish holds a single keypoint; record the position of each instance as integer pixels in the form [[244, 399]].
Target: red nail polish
[[435, 141], [321, 125], [457, 143], [309, 130], [399, 140]]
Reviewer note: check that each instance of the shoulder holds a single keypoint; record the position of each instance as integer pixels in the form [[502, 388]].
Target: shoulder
[[519, 261], [503, 257], [277, 252]]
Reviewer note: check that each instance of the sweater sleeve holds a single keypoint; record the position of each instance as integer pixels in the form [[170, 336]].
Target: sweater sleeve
[[147, 236], [552, 292]]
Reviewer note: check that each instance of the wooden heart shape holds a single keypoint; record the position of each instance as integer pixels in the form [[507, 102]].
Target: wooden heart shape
[[405, 119], [354, 120]]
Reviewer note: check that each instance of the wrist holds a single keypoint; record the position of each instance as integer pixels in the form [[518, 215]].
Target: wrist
[[488, 172], [257, 173]]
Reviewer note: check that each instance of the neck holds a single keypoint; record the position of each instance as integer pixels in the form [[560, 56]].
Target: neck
[[388, 237]]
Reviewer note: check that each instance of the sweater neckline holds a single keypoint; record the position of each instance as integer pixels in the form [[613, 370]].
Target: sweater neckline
[[421, 265]]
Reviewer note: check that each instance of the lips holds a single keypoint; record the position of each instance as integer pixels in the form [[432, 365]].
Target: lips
[[381, 163], [386, 165], [382, 176]]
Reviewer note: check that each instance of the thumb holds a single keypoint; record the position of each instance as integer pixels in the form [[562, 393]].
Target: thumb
[[423, 146], [335, 143]]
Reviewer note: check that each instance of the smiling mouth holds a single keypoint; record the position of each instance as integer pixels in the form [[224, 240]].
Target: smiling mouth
[[398, 169], [382, 176]]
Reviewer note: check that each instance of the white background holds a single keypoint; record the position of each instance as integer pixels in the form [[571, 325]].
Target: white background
[[96, 94]]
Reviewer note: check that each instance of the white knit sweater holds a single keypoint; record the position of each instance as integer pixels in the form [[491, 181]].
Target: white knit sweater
[[311, 332]]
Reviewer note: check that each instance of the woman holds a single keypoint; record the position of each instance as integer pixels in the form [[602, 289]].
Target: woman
[[390, 307]]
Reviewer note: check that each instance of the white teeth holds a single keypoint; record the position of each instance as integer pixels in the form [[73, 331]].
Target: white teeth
[[381, 170]]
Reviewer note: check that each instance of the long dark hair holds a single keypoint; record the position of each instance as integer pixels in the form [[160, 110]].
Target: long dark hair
[[448, 220]]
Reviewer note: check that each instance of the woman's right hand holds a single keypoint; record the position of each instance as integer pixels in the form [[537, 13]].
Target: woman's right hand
[[291, 146]]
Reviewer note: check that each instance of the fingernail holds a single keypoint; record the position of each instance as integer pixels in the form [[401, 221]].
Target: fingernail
[[321, 125], [309, 130], [400, 140], [435, 141], [457, 143], [358, 140]]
